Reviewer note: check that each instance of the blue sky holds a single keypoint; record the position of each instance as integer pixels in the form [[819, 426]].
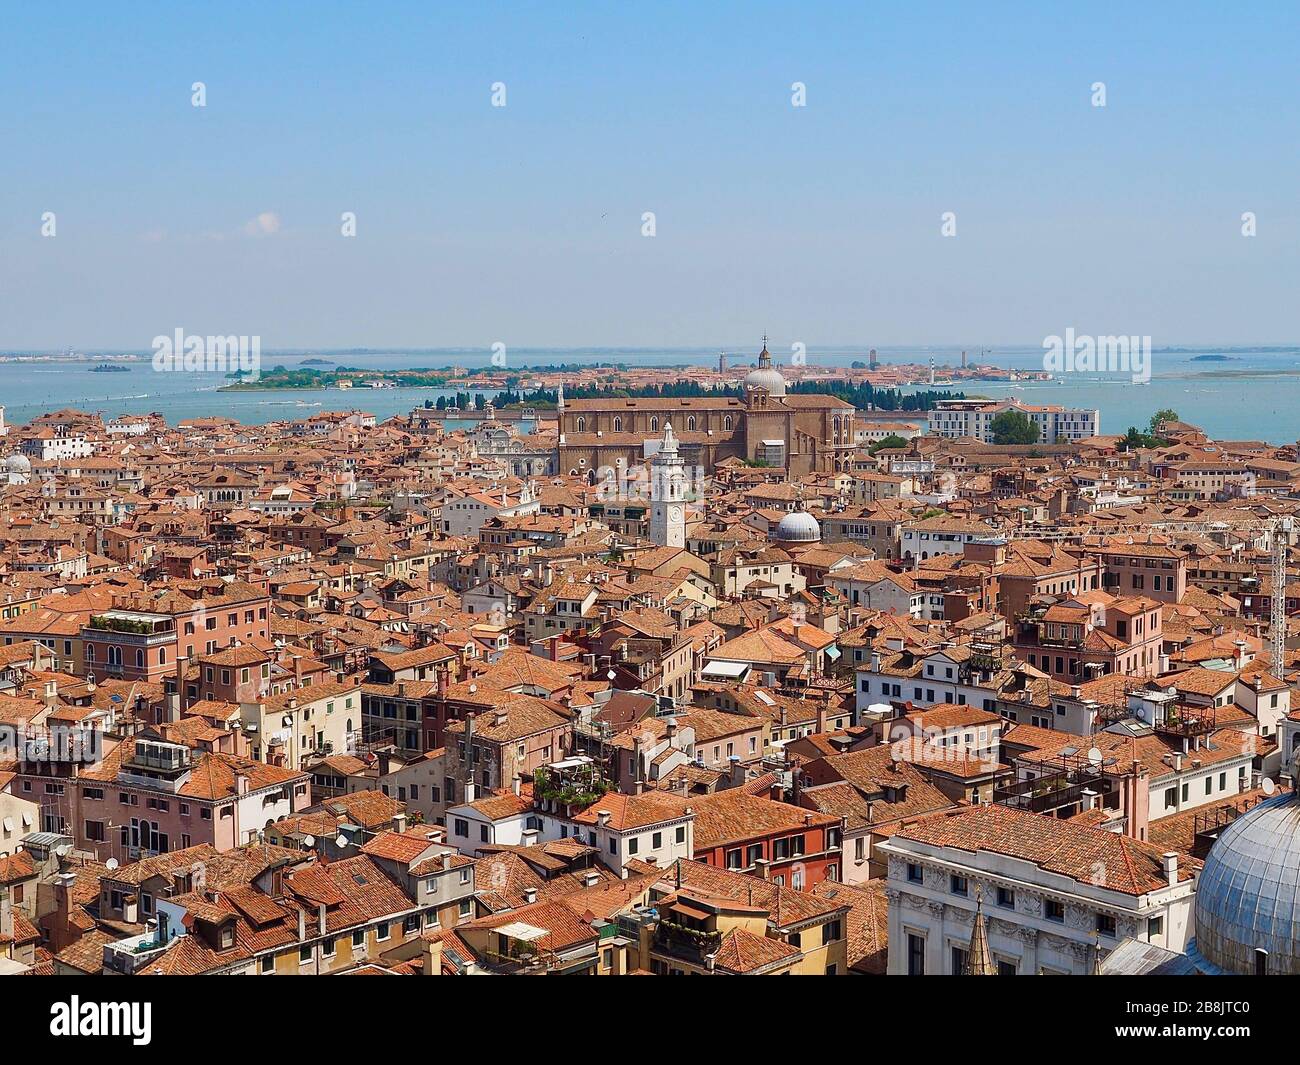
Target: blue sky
[[523, 224]]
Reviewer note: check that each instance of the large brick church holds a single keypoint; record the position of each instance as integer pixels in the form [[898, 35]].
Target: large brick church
[[798, 433]]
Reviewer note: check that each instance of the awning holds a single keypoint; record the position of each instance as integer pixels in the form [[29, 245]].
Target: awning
[[832, 653], [725, 669], [520, 930], [689, 911]]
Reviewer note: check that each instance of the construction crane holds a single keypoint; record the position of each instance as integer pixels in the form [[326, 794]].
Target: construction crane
[[1278, 529]]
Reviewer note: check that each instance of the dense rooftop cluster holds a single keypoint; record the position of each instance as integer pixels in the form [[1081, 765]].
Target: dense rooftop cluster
[[334, 695]]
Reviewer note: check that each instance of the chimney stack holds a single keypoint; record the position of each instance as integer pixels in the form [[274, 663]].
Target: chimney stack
[[1169, 861], [432, 957]]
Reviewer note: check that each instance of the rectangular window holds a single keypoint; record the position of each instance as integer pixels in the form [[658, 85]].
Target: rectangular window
[[915, 955]]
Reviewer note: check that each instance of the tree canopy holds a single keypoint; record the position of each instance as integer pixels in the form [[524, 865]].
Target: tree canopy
[[1014, 427]]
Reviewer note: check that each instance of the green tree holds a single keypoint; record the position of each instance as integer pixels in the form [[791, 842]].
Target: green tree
[[893, 440], [1162, 417], [1014, 427]]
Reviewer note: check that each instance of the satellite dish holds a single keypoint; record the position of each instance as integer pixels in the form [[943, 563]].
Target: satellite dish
[[63, 851], [1095, 758], [473, 688], [1269, 786], [111, 864], [611, 674], [309, 841]]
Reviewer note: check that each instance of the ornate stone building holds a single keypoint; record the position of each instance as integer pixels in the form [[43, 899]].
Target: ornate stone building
[[1057, 896], [798, 433]]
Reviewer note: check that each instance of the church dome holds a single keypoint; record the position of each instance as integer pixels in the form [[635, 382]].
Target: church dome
[[769, 379], [798, 527], [765, 376], [18, 464], [1248, 893]]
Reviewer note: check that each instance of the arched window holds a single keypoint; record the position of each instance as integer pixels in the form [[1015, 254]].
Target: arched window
[[582, 425], [618, 424], [690, 423], [654, 425], [90, 652], [726, 422]]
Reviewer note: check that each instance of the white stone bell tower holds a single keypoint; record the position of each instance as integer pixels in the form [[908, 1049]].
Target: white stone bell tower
[[668, 494]]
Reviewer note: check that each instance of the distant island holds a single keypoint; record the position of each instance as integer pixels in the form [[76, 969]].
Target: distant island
[[108, 367], [1213, 358], [317, 362]]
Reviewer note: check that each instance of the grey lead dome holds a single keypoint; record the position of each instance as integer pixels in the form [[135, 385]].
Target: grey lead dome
[[799, 526], [1246, 895]]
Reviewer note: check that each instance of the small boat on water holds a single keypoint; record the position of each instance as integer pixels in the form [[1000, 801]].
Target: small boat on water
[[109, 367]]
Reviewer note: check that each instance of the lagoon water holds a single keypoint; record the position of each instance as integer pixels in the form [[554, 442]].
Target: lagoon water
[[1255, 395]]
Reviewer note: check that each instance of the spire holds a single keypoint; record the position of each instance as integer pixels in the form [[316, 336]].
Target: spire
[[764, 356], [979, 962], [559, 398], [1096, 955], [669, 444]]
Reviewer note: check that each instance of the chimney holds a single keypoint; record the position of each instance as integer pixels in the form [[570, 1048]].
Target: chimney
[[1135, 800], [602, 818], [302, 924], [432, 957], [176, 703], [1169, 861], [63, 884], [530, 896], [399, 822], [516, 784], [241, 783], [764, 868], [590, 878], [297, 671], [320, 918]]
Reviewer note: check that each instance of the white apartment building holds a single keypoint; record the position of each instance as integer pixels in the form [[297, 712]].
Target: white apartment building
[[974, 418], [1052, 893]]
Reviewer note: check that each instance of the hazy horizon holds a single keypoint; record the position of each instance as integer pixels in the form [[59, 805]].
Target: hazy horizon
[[523, 224]]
